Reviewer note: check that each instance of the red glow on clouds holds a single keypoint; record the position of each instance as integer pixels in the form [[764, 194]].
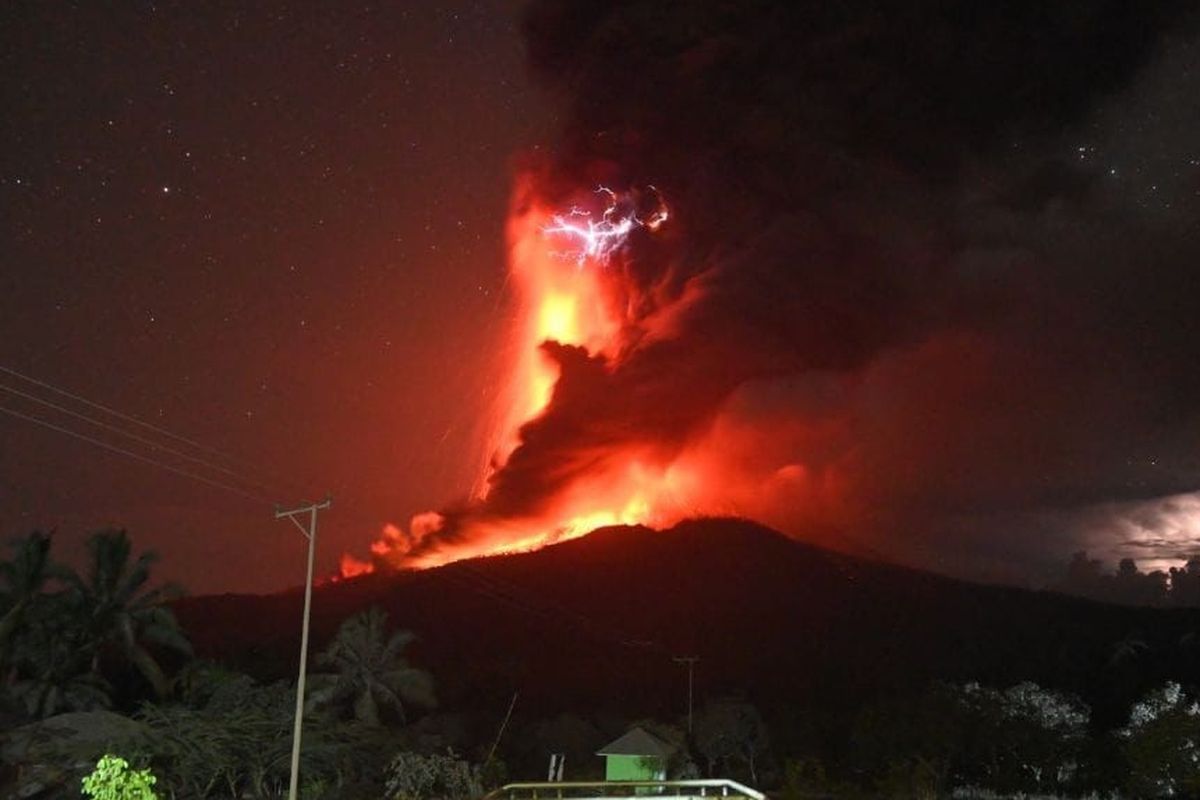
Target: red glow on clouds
[[570, 289]]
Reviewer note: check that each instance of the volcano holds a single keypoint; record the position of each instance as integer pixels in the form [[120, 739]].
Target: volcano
[[792, 262], [595, 624]]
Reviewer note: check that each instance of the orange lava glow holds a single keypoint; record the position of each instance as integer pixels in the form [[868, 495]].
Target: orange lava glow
[[561, 297], [558, 300]]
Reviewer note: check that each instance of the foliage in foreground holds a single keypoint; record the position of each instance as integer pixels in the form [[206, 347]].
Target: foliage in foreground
[[368, 675], [728, 732], [1021, 740], [412, 776], [237, 743], [114, 780], [67, 638], [1161, 744]]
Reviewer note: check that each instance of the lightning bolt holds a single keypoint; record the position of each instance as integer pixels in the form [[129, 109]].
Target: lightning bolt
[[597, 238]]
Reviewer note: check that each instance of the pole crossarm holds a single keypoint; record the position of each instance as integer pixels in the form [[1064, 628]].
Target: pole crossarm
[[311, 508]]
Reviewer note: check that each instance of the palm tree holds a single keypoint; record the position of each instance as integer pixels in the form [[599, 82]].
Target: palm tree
[[370, 670], [21, 581], [50, 660], [120, 613]]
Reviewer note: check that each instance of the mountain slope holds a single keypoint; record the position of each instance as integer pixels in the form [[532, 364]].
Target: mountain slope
[[594, 623]]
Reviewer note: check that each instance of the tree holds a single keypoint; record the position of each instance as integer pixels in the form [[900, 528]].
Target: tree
[[21, 582], [1135, 588], [412, 776], [118, 610], [236, 740], [1049, 730], [1084, 577], [806, 777], [369, 671], [51, 657], [905, 745], [1185, 584], [1024, 739], [729, 730], [1161, 744]]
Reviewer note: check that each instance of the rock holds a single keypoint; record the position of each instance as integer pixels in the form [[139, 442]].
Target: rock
[[44, 758]]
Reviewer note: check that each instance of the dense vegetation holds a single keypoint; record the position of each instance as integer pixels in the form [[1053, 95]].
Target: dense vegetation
[[94, 662]]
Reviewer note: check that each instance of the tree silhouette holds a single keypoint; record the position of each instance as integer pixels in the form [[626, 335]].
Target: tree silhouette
[[369, 671], [22, 579], [729, 730], [1085, 576], [1137, 588], [1160, 742], [120, 613], [1185, 584], [51, 663]]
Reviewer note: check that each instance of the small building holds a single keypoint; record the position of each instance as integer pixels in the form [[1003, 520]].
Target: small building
[[636, 756]]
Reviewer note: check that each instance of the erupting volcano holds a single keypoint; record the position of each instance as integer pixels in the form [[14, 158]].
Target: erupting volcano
[[783, 265], [585, 307]]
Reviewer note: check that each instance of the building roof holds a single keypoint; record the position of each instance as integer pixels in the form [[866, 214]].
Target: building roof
[[636, 742]]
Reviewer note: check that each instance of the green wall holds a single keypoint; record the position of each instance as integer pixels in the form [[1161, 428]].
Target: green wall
[[633, 768]]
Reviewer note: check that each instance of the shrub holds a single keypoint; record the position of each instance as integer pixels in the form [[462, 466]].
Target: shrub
[[114, 780], [412, 776]]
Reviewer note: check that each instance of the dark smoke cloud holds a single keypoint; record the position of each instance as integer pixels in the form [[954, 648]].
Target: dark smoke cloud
[[968, 228]]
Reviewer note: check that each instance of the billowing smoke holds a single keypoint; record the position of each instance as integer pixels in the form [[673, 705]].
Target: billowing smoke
[[928, 287]]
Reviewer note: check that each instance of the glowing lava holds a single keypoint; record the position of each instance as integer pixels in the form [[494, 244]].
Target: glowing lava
[[570, 290]]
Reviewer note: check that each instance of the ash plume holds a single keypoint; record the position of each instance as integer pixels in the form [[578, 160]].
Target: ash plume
[[923, 300]]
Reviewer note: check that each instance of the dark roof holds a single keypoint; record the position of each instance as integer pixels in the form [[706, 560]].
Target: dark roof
[[636, 742]]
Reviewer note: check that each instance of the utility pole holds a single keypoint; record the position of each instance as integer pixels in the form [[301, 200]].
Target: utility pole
[[691, 663], [310, 532]]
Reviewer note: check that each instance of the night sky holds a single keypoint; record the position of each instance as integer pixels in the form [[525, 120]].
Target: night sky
[[949, 256], [275, 230]]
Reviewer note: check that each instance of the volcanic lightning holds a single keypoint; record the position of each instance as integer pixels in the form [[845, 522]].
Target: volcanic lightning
[[566, 296], [599, 238], [606, 416], [833, 314]]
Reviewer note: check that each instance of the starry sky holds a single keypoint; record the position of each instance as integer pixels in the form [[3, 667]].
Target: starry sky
[[275, 229], [961, 239]]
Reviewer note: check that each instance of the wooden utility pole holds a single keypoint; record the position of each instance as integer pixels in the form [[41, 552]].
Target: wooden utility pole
[[310, 532]]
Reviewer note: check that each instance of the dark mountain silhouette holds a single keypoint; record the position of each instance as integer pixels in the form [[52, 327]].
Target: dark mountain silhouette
[[805, 633]]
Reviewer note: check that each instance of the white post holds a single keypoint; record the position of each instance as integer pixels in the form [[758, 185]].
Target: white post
[[311, 533], [691, 664]]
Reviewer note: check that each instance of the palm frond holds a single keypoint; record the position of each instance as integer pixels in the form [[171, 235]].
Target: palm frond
[[370, 669]]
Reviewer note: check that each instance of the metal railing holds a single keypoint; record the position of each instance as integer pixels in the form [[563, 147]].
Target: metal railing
[[617, 790]]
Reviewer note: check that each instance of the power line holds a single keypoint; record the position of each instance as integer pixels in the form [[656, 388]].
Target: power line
[[566, 615], [128, 418], [530, 614], [135, 437], [246, 465], [137, 456]]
